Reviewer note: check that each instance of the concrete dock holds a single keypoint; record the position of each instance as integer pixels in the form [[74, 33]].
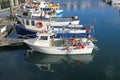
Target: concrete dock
[[11, 42], [6, 25]]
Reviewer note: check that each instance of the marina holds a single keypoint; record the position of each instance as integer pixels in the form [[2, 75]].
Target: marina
[[29, 64], [40, 23]]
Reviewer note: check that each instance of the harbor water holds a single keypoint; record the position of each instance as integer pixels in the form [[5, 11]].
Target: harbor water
[[19, 63]]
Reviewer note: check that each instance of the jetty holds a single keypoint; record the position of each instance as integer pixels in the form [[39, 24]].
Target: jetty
[[11, 42], [7, 25]]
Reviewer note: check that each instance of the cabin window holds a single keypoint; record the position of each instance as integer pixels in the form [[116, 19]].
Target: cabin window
[[23, 21], [43, 38], [27, 22], [32, 23]]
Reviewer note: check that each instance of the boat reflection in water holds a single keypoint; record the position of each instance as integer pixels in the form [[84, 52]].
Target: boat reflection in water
[[46, 62]]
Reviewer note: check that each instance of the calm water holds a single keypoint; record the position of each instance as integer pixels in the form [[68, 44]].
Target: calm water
[[17, 63]]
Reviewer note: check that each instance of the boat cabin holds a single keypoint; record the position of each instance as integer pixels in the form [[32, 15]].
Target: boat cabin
[[44, 39]]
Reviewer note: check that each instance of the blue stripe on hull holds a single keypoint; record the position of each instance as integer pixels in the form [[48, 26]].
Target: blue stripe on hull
[[73, 35], [23, 31]]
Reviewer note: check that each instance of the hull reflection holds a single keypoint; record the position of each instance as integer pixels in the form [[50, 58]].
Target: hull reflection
[[48, 62]]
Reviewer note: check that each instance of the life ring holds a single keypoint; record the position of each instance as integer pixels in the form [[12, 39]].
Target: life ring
[[39, 25]]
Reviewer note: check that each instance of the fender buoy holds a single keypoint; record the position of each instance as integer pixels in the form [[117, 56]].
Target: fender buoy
[[80, 46], [86, 29], [39, 25], [67, 48], [42, 31], [74, 42]]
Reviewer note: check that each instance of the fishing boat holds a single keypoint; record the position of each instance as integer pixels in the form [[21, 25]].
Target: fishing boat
[[116, 4], [30, 25], [40, 8], [46, 43], [73, 31]]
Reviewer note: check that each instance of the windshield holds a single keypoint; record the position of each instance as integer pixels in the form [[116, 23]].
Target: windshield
[[44, 38]]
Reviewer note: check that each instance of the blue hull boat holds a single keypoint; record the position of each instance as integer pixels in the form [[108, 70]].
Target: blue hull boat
[[22, 31]]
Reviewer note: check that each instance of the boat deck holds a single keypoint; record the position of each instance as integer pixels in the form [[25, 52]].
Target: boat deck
[[61, 19], [66, 42]]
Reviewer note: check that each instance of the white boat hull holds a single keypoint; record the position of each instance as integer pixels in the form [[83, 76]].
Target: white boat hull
[[45, 23], [61, 50], [46, 44], [55, 23]]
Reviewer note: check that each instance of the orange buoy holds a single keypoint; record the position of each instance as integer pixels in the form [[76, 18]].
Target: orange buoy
[[79, 47]]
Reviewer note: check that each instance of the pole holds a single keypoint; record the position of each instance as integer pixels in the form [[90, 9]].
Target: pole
[[16, 2], [11, 8]]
